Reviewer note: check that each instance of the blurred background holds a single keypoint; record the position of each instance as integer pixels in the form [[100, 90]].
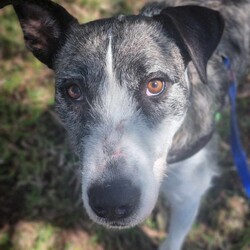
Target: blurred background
[[40, 205]]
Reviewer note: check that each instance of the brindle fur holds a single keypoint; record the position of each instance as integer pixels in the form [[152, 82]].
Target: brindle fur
[[208, 99]]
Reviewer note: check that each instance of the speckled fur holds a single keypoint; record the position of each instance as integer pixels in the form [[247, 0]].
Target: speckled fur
[[191, 178], [208, 99]]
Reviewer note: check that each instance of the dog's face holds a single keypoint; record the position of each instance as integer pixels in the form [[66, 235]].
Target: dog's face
[[131, 97], [122, 94]]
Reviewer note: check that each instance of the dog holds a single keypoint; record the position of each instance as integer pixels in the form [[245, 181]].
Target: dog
[[138, 95]]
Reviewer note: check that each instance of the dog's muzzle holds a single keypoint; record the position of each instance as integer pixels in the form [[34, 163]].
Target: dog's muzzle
[[114, 200]]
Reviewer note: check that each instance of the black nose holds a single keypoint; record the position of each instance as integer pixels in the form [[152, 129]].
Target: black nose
[[114, 200]]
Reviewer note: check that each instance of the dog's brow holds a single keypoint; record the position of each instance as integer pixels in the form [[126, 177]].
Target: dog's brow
[[70, 76]]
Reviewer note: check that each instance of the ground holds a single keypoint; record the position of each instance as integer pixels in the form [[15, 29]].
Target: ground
[[40, 208]]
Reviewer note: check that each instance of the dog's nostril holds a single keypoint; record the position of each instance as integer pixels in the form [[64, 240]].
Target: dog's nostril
[[122, 211], [100, 211]]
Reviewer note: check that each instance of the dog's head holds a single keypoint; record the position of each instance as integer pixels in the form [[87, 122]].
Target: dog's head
[[122, 94]]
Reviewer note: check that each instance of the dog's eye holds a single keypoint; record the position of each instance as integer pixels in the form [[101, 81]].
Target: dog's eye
[[155, 87], [74, 92]]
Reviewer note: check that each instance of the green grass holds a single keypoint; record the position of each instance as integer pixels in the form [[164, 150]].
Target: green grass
[[44, 239], [4, 240]]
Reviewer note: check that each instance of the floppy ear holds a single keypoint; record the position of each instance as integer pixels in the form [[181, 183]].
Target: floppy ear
[[45, 25], [200, 30]]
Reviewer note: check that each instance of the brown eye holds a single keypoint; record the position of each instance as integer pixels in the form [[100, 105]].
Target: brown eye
[[155, 87], [74, 92]]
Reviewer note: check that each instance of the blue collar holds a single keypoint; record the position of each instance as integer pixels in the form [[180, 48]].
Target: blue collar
[[239, 155]]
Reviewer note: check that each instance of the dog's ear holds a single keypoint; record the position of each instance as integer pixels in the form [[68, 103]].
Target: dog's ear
[[45, 25], [200, 30], [6, 2]]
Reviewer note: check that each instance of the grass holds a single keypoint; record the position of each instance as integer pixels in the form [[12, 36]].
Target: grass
[[40, 205]]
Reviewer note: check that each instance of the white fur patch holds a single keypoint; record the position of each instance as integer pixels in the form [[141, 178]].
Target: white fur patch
[[183, 188], [109, 61], [187, 77]]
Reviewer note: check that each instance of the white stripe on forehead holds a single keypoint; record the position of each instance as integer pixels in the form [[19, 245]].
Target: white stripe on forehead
[[114, 102], [109, 60]]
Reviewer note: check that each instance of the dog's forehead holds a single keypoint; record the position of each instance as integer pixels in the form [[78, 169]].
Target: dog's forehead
[[130, 33], [137, 43]]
